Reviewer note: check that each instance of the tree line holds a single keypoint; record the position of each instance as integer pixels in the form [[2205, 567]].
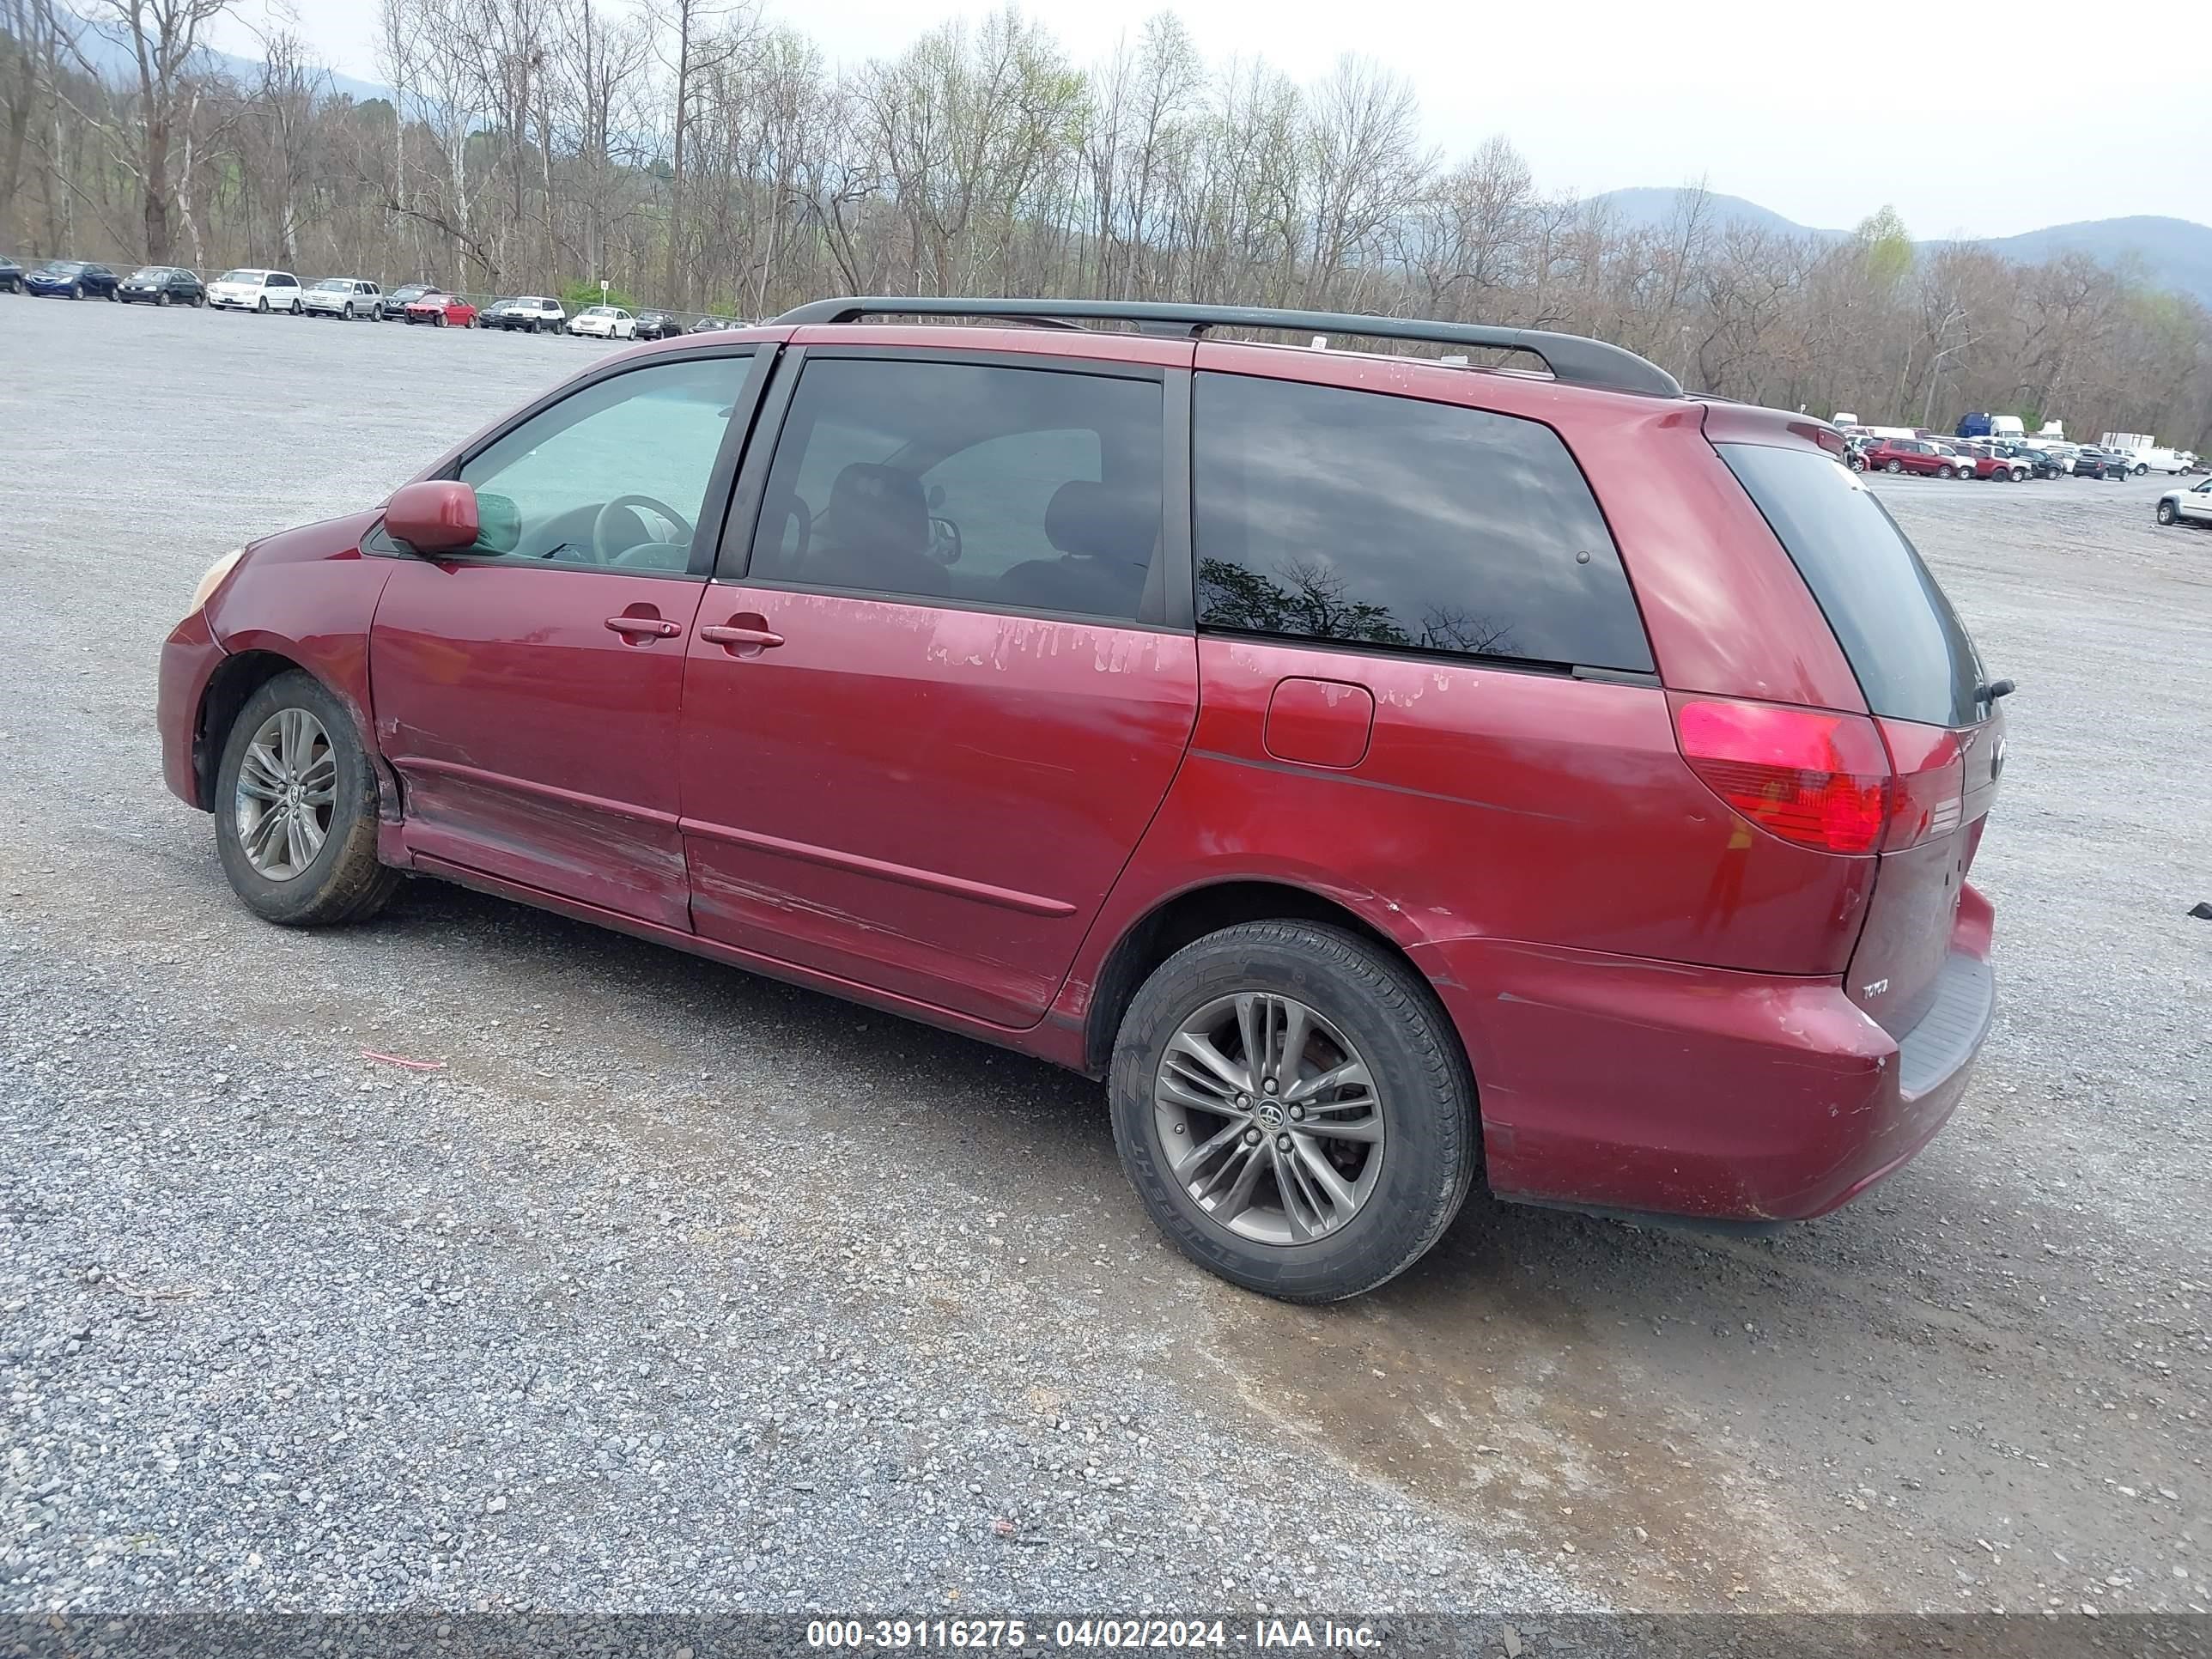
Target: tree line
[[694, 156]]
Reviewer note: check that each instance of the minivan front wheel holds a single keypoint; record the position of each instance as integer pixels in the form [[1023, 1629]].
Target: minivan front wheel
[[295, 802], [1293, 1108]]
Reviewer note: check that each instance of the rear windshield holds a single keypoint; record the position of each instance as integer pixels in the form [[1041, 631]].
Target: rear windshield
[[1912, 657]]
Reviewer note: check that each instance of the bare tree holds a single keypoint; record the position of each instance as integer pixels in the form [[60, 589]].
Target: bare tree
[[161, 36]]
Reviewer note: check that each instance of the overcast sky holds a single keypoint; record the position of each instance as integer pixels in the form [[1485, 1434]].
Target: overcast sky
[[1972, 119]]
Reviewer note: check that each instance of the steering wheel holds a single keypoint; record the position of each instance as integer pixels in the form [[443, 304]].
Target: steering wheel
[[602, 547]]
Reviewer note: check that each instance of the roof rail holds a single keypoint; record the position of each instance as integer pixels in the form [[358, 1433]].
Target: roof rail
[[1572, 359]]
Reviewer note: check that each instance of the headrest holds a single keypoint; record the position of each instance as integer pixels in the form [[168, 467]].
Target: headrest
[[878, 506], [1098, 521]]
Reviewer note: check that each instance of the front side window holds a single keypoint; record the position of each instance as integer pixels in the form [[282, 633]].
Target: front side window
[[1033, 488], [613, 475], [1367, 519]]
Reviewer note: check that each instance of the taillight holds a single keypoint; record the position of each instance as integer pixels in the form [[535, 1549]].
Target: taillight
[[1929, 796], [1812, 776]]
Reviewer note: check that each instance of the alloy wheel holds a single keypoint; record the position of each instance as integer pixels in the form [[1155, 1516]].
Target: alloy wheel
[[287, 791], [1268, 1118]]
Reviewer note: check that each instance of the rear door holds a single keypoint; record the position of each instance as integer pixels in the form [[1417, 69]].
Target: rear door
[[1924, 686], [527, 691], [949, 678]]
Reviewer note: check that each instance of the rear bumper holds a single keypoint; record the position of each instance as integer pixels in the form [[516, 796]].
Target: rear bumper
[[190, 657], [1625, 1085]]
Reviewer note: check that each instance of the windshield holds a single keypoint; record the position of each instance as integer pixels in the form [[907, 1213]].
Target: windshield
[[150, 274], [334, 284], [241, 276], [62, 267]]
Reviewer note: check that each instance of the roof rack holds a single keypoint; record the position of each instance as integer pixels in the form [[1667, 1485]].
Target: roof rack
[[1572, 359]]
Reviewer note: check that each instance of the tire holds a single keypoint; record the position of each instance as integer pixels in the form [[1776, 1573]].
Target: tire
[[1423, 1163], [261, 304], [1945, 473], [342, 881], [439, 321], [348, 316], [76, 293], [161, 300], [2166, 513], [115, 296], [2140, 469]]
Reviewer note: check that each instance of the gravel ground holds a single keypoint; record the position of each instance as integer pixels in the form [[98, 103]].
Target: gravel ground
[[676, 1288]]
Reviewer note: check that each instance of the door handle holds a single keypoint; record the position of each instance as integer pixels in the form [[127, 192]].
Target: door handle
[[743, 636], [644, 627]]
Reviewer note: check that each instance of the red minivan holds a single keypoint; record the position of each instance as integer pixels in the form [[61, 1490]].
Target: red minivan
[[1383, 771]]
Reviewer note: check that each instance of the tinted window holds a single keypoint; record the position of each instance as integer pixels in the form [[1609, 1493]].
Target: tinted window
[[1913, 659], [544, 489], [1031, 489], [1349, 516]]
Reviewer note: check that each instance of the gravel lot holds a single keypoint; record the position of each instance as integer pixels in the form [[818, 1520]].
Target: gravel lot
[[681, 1289]]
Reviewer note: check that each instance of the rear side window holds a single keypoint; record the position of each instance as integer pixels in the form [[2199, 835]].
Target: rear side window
[[1911, 655], [1032, 489], [1352, 516]]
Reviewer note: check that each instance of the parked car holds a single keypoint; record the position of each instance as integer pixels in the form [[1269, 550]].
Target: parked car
[[604, 323], [710, 325], [1912, 455], [397, 299], [72, 279], [2090, 462], [2043, 461], [11, 276], [442, 310], [1997, 461], [658, 326], [344, 298], [161, 285], [2192, 505], [1390, 856], [532, 313], [251, 288]]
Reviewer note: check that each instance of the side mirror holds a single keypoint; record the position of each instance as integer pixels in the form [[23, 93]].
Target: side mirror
[[434, 516]]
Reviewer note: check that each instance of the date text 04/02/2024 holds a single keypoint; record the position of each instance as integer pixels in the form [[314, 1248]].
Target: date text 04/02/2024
[[1116, 1634]]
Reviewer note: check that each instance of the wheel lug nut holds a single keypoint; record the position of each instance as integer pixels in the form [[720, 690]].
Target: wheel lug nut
[[1251, 1136], [1271, 1086], [1298, 1113], [1282, 1143], [1243, 1102]]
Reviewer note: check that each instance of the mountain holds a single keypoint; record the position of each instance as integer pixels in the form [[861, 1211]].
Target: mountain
[[1655, 209], [2172, 254], [107, 48]]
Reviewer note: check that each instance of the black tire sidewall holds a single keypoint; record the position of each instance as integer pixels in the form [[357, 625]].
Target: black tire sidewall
[[308, 899], [1430, 1135]]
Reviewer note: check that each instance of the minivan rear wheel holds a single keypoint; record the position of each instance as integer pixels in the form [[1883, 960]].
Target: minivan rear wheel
[[1293, 1107], [296, 808]]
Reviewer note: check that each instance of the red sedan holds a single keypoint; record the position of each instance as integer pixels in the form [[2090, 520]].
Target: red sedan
[[442, 311]]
